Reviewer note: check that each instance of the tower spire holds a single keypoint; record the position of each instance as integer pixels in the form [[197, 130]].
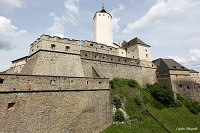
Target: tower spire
[[103, 9], [102, 5]]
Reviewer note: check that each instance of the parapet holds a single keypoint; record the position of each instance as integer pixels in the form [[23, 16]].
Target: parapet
[[16, 82], [46, 42]]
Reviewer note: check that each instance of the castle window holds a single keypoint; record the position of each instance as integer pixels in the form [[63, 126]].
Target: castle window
[[122, 52], [103, 57], [146, 55], [133, 57], [101, 46], [180, 86], [53, 46], [91, 44], [110, 48], [87, 82], [188, 87], [146, 50], [118, 59], [86, 54], [111, 59], [32, 50], [125, 60], [11, 106], [1, 81], [95, 56], [37, 46], [67, 48], [99, 14], [99, 82]]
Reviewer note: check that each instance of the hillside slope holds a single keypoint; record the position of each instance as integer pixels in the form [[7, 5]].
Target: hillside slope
[[152, 110]]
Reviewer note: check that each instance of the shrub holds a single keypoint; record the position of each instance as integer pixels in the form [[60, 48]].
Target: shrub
[[119, 116], [133, 84], [138, 101], [194, 107], [162, 93], [116, 102]]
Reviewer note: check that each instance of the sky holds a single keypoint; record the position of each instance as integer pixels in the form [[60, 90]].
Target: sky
[[171, 27]]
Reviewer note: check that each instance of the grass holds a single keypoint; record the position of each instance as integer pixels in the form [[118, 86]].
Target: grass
[[138, 100]]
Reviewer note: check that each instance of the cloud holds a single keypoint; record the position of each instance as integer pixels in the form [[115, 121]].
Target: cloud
[[161, 12], [115, 20], [9, 5], [7, 32], [192, 62], [72, 6], [59, 21]]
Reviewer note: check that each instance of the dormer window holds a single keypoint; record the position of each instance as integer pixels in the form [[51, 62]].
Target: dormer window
[[53, 46], [174, 66]]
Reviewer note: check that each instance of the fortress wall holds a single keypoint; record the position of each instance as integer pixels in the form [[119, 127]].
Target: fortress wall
[[45, 42], [54, 63], [54, 104], [186, 87], [182, 85], [110, 66], [36, 82]]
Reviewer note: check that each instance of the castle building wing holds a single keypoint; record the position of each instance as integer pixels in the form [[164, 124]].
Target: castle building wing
[[133, 42], [169, 64]]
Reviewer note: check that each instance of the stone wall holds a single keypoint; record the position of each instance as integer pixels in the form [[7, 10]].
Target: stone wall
[[66, 45], [53, 63], [54, 104], [111, 66], [36, 82], [182, 84]]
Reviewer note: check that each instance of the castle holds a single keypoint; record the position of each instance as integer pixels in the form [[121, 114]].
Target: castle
[[63, 84]]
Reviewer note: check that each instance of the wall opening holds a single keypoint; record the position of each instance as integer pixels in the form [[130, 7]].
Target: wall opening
[[67, 48], [188, 87], [87, 82], [99, 82], [180, 86], [1, 81], [53, 46], [91, 44], [11, 106]]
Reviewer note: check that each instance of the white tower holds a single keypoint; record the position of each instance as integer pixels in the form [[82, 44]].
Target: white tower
[[103, 28]]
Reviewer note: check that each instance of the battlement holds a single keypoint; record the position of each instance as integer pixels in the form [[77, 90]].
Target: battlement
[[115, 59], [46, 42], [16, 82]]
